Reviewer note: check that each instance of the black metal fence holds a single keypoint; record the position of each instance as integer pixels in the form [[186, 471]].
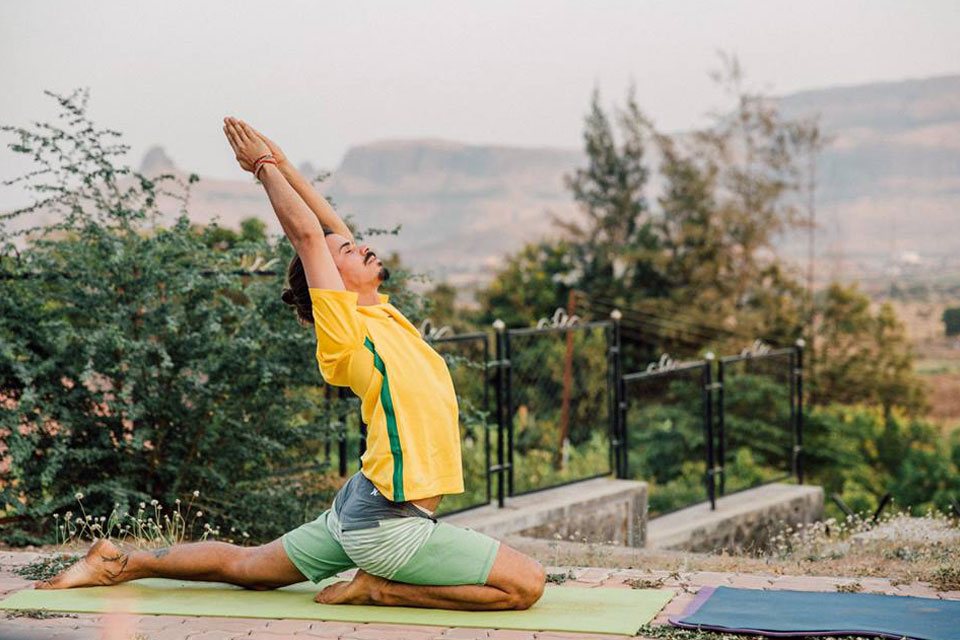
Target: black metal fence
[[668, 427], [758, 428], [546, 406], [707, 428], [556, 402], [468, 357]]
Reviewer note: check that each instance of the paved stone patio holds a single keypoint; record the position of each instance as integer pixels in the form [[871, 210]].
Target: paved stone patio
[[136, 627]]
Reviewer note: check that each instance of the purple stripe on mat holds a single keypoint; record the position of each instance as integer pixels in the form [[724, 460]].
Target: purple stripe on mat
[[702, 596]]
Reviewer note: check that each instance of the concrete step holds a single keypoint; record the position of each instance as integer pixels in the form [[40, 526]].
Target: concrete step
[[600, 509], [740, 519]]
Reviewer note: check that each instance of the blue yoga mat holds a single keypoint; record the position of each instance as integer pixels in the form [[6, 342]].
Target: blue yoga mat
[[791, 613]]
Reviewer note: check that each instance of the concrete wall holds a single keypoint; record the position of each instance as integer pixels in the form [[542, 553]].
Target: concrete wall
[[599, 510], [606, 510], [745, 520]]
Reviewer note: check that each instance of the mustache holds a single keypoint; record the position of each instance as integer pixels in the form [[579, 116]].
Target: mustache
[[366, 258]]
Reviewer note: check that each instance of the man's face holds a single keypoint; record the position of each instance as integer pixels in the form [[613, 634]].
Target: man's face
[[358, 265]]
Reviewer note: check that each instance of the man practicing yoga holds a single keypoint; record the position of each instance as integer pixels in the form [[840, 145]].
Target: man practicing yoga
[[381, 520]]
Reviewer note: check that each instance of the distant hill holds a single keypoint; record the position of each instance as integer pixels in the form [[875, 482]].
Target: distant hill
[[889, 185], [462, 207], [889, 182]]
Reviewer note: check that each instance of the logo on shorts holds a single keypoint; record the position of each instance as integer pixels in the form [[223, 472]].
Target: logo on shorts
[[374, 492]]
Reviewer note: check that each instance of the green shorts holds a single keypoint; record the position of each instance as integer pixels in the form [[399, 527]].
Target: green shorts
[[412, 550]]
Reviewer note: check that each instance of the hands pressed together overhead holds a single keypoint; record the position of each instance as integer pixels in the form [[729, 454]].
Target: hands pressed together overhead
[[250, 146], [300, 208]]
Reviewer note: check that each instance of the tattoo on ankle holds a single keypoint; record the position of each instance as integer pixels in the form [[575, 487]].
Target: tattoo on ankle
[[159, 553]]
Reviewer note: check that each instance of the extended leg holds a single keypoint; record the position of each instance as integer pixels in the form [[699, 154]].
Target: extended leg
[[263, 567], [516, 581]]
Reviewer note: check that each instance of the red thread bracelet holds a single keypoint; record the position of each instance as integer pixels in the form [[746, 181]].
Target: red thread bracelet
[[259, 166]]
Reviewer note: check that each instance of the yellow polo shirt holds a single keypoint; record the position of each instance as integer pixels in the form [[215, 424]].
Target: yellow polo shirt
[[407, 396]]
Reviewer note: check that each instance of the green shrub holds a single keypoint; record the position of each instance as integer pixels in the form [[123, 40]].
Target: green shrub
[[140, 363]]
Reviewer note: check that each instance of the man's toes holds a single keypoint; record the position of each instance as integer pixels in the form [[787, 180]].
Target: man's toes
[[328, 594]]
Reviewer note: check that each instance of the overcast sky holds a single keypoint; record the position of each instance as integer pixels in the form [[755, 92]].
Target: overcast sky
[[321, 76]]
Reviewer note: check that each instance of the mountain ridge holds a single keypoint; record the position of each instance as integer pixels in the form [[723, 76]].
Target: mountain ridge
[[893, 160]]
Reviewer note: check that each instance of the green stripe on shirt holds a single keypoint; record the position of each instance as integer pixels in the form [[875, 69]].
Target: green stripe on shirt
[[387, 401]]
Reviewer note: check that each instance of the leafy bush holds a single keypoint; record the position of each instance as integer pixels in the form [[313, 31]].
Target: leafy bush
[[862, 453], [140, 363]]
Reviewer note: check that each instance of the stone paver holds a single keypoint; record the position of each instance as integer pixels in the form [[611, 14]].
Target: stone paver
[[326, 629], [399, 631], [466, 633], [287, 626], [213, 635], [228, 624], [510, 634], [675, 607], [685, 585], [709, 578], [748, 581], [551, 635]]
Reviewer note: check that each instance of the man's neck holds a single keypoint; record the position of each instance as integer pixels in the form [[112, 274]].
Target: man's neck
[[368, 297]]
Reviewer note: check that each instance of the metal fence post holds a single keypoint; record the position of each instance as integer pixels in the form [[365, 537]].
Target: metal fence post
[[708, 429], [618, 445], [508, 417], [798, 427], [486, 409], [498, 327], [721, 436]]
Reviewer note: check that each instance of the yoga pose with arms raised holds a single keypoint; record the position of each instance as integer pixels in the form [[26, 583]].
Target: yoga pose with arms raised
[[381, 520]]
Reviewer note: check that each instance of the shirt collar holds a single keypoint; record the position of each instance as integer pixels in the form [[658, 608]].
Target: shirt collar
[[379, 310]]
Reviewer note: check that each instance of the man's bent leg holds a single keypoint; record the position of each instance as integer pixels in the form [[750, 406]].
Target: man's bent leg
[[515, 581]]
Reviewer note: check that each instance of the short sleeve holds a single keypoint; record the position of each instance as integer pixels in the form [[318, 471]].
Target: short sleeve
[[340, 332]]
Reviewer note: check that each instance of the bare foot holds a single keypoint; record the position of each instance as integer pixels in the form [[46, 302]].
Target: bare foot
[[102, 566], [360, 590]]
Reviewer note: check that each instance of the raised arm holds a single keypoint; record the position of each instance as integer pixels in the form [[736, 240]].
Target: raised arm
[[299, 223], [318, 204]]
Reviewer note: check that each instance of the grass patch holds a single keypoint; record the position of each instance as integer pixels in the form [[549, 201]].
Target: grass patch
[[850, 587], [647, 583], [46, 567], [560, 578], [946, 577], [38, 614]]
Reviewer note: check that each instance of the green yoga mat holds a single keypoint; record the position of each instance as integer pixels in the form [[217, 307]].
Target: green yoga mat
[[596, 610]]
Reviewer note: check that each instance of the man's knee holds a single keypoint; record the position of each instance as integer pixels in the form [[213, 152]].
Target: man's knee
[[529, 586]]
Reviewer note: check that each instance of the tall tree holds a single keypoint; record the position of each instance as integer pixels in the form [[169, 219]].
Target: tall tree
[[865, 355], [614, 241]]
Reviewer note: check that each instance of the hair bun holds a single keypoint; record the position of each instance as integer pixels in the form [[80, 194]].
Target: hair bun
[[288, 297]]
